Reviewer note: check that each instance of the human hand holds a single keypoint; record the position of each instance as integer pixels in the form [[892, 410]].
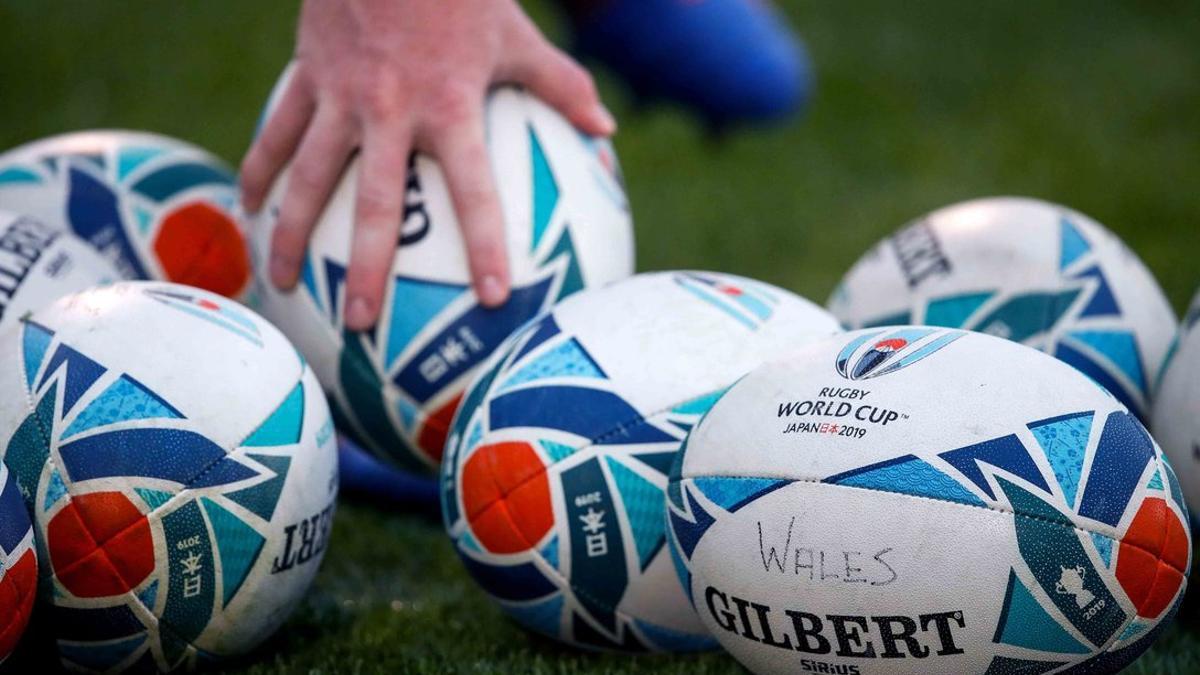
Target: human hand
[[385, 77]]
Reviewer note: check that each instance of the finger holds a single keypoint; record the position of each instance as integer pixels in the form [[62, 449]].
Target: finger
[[461, 150], [314, 174], [275, 144], [378, 216], [565, 85]]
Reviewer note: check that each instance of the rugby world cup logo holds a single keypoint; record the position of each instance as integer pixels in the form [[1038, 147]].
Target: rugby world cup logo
[[880, 352]]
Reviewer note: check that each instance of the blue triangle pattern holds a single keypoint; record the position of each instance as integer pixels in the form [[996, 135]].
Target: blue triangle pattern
[[732, 493], [670, 640], [261, 499], [550, 552], [284, 425], [1006, 452], [1120, 348], [34, 342], [543, 616], [474, 436], [149, 595], [1103, 546], [55, 490], [688, 533], [1074, 246], [1155, 482], [237, 543], [125, 399], [1102, 302], [415, 303], [556, 451], [1064, 440], [545, 190], [1024, 623], [953, 311], [644, 503], [908, 475], [567, 359]]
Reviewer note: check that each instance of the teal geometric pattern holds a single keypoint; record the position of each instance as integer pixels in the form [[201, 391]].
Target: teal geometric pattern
[[898, 319], [1155, 481], [261, 499], [1005, 665], [283, 426], [568, 359], [1134, 629], [149, 596], [144, 219], [1103, 546], [55, 490], [1120, 348], [1026, 315], [34, 343], [699, 405], [543, 616], [101, 657], [13, 174], [237, 543], [131, 157], [123, 400], [1074, 246], [1064, 440], [673, 640], [556, 451], [545, 190], [468, 542], [414, 305], [953, 312], [1023, 623], [550, 552], [908, 475], [153, 498], [732, 493], [408, 413], [644, 505]]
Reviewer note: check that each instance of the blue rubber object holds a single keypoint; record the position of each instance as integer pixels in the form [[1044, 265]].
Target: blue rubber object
[[364, 476], [731, 61]]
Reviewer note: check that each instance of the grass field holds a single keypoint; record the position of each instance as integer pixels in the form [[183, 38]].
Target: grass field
[[1092, 104]]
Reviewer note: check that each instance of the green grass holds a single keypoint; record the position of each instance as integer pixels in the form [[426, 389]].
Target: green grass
[[1092, 104]]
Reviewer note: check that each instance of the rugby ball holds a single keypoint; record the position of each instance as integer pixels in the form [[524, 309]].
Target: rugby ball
[[396, 387], [919, 499], [39, 264], [18, 564], [553, 479], [1026, 270], [1176, 420], [179, 459], [155, 207]]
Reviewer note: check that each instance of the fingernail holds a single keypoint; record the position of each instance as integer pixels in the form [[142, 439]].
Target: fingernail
[[609, 122], [358, 314], [491, 291], [283, 272]]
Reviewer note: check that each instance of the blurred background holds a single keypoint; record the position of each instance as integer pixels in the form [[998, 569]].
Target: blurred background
[[1094, 105]]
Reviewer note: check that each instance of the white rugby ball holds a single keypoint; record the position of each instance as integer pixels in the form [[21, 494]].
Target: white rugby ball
[[39, 264], [396, 388], [555, 469], [179, 459], [1026, 270], [917, 499], [1176, 420], [155, 207]]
